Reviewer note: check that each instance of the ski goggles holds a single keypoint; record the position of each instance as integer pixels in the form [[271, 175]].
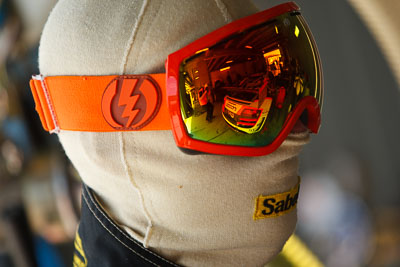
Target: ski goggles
[[239, 90]]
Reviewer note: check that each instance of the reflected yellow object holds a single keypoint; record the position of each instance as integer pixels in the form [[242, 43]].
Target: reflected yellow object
[[223, 69], [296, 31], [188, 123], [272, 55], [202, 50]]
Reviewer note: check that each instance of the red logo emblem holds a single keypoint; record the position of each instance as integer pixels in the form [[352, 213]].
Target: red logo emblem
[[130, 102]]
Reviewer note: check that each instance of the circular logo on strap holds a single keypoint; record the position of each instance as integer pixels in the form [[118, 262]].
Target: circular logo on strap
[[130, 102]]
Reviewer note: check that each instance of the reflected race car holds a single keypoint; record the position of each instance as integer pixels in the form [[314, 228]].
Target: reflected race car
[[245, 115]]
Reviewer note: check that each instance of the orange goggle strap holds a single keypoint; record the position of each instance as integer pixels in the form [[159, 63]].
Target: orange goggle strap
[[101, 103]]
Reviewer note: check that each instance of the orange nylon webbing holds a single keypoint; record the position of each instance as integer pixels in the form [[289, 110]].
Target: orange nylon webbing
[[83, 103]]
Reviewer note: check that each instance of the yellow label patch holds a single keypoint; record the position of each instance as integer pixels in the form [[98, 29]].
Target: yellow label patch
[[276, 205]]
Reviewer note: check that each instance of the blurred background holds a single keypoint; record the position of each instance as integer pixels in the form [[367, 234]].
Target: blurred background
[[349, 206]]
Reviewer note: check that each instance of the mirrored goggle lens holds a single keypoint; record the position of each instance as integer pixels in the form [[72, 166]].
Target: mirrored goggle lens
[[241, 90]]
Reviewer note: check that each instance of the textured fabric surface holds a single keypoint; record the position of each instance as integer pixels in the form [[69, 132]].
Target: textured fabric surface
[[194, 210]]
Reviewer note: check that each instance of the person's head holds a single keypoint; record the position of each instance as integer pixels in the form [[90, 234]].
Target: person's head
[[181, 194]]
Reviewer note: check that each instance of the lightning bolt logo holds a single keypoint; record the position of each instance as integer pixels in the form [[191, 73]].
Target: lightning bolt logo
[[129, 101]]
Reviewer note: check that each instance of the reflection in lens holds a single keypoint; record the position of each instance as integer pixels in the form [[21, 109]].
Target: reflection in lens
[[241, 90]]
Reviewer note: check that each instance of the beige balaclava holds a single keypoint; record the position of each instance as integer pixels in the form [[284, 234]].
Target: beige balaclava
[[193, 210]]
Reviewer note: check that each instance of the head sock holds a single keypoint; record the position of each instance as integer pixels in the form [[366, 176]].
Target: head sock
[[194, 210]]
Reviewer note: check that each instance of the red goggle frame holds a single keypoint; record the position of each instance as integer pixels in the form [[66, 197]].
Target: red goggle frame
[[196, 89]]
